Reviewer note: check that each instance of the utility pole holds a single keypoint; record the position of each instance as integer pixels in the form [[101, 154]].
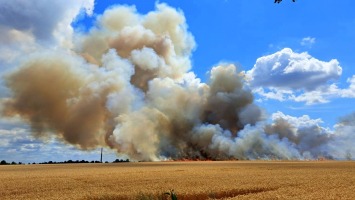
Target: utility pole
[[101, 155]]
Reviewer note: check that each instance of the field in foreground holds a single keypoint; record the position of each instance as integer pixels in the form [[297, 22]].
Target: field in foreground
[[190, 180]]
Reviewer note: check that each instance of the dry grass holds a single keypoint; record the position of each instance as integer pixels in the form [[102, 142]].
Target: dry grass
[[190, 180]]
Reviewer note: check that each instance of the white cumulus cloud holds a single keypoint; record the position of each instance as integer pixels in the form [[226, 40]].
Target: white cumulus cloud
[[285, 69], [308, 41], [288, 75], [27, 25], [40, 18]]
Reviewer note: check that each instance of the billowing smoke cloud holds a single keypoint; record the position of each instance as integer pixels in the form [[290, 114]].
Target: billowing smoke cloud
[[342, 146], [306, 134], [127, 85]]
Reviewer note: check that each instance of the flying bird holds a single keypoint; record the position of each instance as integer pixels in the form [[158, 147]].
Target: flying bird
[[279, 1]]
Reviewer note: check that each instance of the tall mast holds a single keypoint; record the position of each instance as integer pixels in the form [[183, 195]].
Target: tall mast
[[101, 156]]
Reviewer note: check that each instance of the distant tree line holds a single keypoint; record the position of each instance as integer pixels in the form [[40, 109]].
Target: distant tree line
[[120, 160], [69, 162], [3, 162]]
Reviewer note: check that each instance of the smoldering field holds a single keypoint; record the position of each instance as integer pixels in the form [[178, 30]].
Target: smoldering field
[[190, 180]]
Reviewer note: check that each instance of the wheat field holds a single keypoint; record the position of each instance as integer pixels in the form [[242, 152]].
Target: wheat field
[[189, 180]]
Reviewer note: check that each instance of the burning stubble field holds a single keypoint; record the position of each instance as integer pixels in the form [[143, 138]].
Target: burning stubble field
[[190, 180]]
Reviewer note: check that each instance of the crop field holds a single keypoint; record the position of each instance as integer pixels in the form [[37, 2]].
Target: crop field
[[189, 180]]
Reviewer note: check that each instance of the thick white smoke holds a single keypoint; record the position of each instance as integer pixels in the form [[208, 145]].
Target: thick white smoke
[[127, 85], [342, 146]]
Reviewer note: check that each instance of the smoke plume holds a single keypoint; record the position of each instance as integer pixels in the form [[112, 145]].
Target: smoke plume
[[127, 85]]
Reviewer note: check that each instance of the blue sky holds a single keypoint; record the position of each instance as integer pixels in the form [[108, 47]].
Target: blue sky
[[242, 31], [296, 59]]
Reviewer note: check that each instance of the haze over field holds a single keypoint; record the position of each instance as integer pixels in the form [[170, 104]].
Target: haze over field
[[127, 83]]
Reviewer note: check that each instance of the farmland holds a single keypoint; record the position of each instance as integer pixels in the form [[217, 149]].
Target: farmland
[[190, 180]]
